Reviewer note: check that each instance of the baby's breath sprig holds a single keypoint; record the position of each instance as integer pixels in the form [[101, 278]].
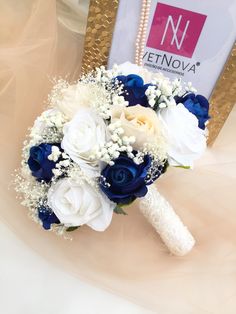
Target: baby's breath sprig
[[118, 143], [57, 91], [30, 191], [105, 90], [162, 92]]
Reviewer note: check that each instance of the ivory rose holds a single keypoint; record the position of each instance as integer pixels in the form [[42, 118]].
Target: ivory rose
[[140, 122], [78, 96]]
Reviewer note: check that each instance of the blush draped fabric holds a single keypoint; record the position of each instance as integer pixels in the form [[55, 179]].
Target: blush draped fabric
[[129, 258]]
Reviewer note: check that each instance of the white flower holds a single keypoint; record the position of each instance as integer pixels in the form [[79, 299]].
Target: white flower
[[186, 140], [48, 118], [127, 68], [83, 137], [55, 154], [189, 88], [165, 87], [76, 204], [42, 129], [77, 96], [119, 101], [148, 76]]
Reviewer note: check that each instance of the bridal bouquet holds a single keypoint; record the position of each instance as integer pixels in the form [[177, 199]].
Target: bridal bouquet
[[103, 142]]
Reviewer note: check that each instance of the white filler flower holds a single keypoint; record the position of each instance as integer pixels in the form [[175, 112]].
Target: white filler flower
[[186, 140], [83, 137], [77, 204]]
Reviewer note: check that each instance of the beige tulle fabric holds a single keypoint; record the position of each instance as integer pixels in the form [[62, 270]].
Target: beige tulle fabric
[[129, 258], [73, 14]]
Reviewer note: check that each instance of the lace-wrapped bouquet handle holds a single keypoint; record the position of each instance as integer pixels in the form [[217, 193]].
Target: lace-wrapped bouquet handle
[[102, 143], [167, 224]]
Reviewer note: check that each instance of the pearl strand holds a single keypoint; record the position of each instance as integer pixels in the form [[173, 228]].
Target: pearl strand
[[139, 35], [142, 31]]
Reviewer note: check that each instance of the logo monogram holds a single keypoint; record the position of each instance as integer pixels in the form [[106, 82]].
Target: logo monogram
[[175, 30]]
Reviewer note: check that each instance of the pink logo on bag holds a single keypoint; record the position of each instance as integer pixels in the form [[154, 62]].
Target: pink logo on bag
[[175, 30]]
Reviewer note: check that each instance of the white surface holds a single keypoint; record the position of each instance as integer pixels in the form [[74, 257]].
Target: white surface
[[219, 28], [31, 285]]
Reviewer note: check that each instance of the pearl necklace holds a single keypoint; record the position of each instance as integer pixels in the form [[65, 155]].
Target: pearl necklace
[[142, 31]]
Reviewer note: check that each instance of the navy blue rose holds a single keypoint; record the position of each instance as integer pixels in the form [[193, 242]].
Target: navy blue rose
[[134, 89], [197, 105], [126, 179], [47, 216], [39, 164]]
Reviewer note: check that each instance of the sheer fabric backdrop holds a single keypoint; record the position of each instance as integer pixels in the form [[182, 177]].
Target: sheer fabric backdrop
[[129, 257]]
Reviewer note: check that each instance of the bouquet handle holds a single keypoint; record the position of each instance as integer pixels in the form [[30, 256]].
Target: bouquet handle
[[165, 221]]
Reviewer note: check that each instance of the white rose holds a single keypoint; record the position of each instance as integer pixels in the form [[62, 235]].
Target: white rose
[[130, 68], [142, 123], [78, 96], [127, 68], [77, 204], [83, 137], [186, 140]]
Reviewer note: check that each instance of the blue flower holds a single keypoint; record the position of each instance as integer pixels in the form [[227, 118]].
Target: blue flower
[[39, 164], [126, 179], [134, 86], [47, 216], [197, 105]]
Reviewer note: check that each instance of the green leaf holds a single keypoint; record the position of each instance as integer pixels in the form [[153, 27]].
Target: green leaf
[[184, 167], [119, 210], [70, 229]]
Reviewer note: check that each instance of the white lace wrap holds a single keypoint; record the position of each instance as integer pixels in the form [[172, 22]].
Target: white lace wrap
[[162, 217]]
